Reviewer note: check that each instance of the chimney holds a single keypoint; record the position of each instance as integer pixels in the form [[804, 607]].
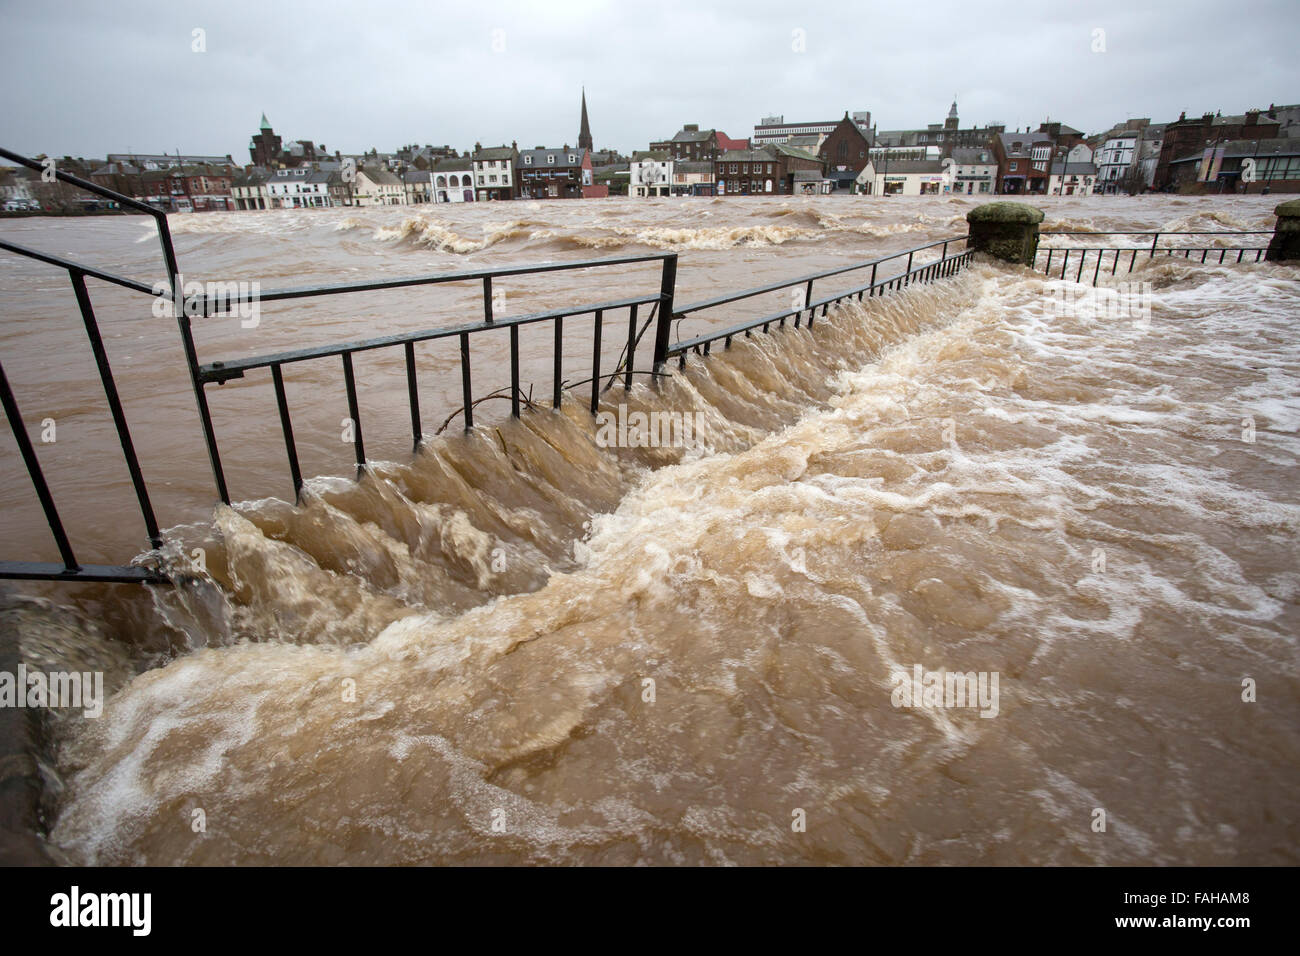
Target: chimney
[[1252, 117]]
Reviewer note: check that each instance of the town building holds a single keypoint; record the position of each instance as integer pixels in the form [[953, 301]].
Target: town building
[[906, 177], [299, 187], [651, 174], [690, 144], [692, 178], [1023, 160], [942, 137], [264, 148], [376, 186], [249, 189], [844, 152], [155, 161], [1223, 168], [1184, 137], [1117, 155], [418, 186], [494, 171], [198, 188], [771, 130], [974, 171], [767, 170], [1071, 179], [553, 173], [453, 180], [120, 177]]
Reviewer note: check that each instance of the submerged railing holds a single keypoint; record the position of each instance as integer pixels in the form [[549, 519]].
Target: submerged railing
[[1081, 253]]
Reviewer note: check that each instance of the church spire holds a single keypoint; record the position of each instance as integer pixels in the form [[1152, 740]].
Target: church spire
[[584, 133]]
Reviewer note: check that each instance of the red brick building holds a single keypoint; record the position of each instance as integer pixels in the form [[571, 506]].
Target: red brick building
[[1184, 137]]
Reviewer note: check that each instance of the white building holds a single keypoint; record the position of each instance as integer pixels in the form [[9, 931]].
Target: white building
[[493, 170], [1072, 179], [904, 177], [1113, 160], [650, 174], [299, 188], [249, 190], [378, 187], [972, 171], [453, 181]]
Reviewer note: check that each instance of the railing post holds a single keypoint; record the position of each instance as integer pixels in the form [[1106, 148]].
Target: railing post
[[1285, 244], [664, 324], [1006, 231], [1154, 240]]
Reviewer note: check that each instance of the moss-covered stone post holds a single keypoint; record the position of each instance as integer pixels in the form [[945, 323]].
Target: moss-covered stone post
[[1005, 230], [1285, 244]]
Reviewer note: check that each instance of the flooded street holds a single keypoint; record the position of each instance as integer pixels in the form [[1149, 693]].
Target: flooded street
[[519, 646]]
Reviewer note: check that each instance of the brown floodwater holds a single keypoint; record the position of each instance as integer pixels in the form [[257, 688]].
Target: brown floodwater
[[519, 646]]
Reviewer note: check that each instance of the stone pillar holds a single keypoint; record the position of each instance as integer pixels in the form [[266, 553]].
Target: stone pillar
[[1285, 244], [1005, 230]]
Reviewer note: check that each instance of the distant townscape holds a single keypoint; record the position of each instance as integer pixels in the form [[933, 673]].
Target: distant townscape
[[1258, 151]]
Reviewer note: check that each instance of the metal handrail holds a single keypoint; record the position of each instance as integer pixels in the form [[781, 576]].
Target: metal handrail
[[940, 268]]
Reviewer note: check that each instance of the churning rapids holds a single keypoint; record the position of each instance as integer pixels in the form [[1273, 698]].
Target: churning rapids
[[520, 647]]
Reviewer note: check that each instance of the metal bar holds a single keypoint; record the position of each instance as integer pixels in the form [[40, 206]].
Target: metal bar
[[1065, 262], [1154, 239], [473, 275], [487, 299], [631, 348], [1097, 271], [775, 286], [417, 433], [1082, 259], [1222, 253], [1132, 260], [224, 371], [1048, 270], [595, 363], [34, 472], [466, 390], [873, 279], [350, 382], [908, 280], [286, 426], [559, 355], [115, 406], [86, 573], [514, 371], [667, 289], [1115, 265]]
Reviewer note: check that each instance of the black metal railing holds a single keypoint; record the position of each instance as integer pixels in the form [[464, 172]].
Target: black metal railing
[[233, 296], [1117, 253], [945, 265], [223, 371]]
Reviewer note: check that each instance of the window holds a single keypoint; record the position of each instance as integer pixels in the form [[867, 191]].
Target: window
[[572, 159], [550, 159], [528, 160]]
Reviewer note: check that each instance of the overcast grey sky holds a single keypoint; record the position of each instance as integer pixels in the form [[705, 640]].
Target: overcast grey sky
[[88, 78]]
